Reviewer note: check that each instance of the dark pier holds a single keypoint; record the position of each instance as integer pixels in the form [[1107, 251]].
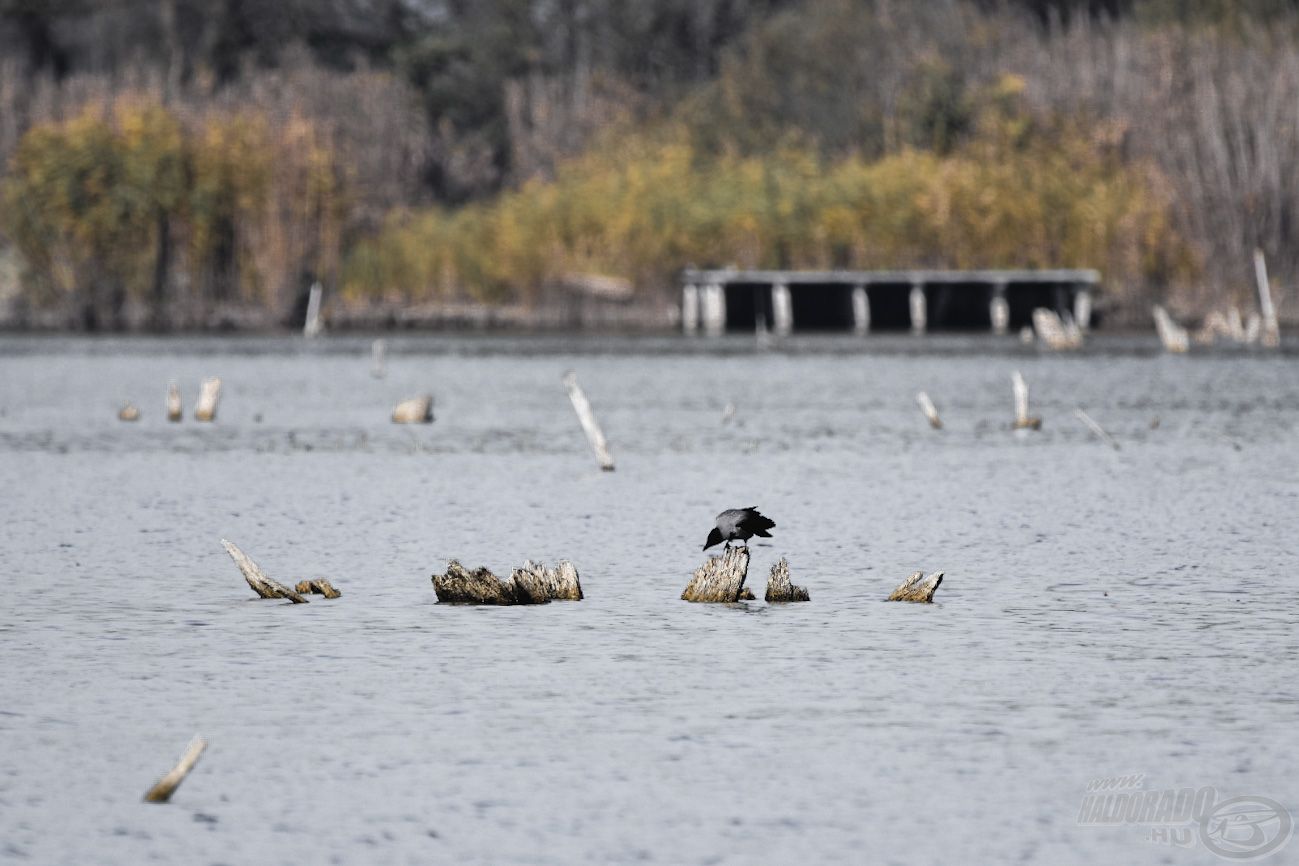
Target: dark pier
[[717, 301]]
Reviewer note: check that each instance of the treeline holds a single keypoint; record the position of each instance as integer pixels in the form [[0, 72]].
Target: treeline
[[185, 163]]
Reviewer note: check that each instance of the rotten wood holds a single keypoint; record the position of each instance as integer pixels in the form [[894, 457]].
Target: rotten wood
[[417, 410], [1096, 428], [720, 578], [917, 588], [262, 584], [317, 587], [590, 426], [779, 589], [208, 394], [1056, 333], [175, 411], [166, 786], [1173, 336], [532, 583], [1023, 421], [548, 584], [129, 412]]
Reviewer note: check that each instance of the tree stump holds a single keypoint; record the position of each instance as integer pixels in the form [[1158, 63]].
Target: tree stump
[[208, 395], [261, 583], [779, 589], [128, 413], [918, 588], [720, 578], [166, 786], [532, 583], [548, 584], [317, 587], [174, 410], [417, 410]]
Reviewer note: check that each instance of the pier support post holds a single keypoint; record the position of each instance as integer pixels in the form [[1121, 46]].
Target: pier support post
[[782, 310], [918, 309], [690, 308], [714, 309], [861, 310], [1082, 308], [999, 309]]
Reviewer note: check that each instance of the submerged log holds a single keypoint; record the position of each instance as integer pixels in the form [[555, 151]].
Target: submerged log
[[417, 410], [532, 583], [167, 785], [208, 394], [780, 589], [317, 587], [128, 413], [586, 416], [175, 411], [261, 583], [548, 584], [720, 578], [917, 588]]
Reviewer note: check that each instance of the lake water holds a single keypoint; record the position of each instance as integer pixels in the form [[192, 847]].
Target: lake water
[[1104, 612]]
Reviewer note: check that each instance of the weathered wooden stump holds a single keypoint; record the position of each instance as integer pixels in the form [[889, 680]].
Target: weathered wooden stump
[[317, 587], [167, 785], [261, 583], [1023, 421], [779, 589], [175, 412], [530, 584], [128, 413], [720, 578], [548, 584], [417, 410], [208, 394], [917, 588]]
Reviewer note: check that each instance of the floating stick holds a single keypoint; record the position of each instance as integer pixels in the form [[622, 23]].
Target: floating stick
[[1096, 428], [259, 580], [931, 412], [167, 785], [594, 434]]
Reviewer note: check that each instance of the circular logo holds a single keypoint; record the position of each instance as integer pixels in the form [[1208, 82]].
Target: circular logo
[[1246, 828]]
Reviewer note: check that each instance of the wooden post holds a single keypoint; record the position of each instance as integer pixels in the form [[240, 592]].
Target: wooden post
[[1271, 330], [128, 413], [312, 326], [999, 309], [379, 358], [208, 394], [931, 411], [782, 310], [861, 310], [416, 410], [919, 313], [174, 410], [690, 309], [1171, 334], [259, 580], [1096, 428], [1023, 421], [714, 309], [720, 578], [586, 416], [917, 588], [779, 589], [166, 786]]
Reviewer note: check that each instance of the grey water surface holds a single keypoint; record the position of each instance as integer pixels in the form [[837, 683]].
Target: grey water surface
[[1104, 612]]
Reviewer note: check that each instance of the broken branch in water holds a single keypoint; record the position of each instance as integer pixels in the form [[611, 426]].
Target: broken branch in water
[[1096, 428], [261, 583], [586, 416], [1022, 419], [1172, 335], [779, 589], [917, 588], [931, 411], [317, 587], [167, 785]]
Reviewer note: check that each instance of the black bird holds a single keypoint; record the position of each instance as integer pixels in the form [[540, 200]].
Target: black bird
[[739, 524]]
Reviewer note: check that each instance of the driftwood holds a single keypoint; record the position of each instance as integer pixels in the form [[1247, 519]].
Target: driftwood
[[586, 416], [208, 394], [175, 411], [931, 411], [317, 587], [312, 326], [1096, 428], [261, 583], [417, 410], [1270, 331], [720, 578], [128, 413], [1172, 335], [917, 588], [1023, 421], [529, 584], [167, 785], [780, 589]]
